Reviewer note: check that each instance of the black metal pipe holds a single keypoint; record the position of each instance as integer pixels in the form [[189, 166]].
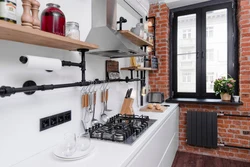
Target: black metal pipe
[[131, 73], [141, 88], [121, 21], [8, 91], [232, 115], [231, 146], [83, 63], [69, 64]]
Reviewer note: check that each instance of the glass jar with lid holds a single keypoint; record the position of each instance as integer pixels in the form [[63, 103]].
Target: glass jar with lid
[[72, 30], [140, 30], [53, 20], [150, 38], [8, 10]]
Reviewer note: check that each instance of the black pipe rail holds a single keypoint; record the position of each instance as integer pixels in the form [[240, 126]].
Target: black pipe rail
[[8, 91]]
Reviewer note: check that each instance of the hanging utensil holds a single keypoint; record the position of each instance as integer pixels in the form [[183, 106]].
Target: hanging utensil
[[104, 116], [85, 116], [94, 121], [106, 96], [106, 100], [90, 98]]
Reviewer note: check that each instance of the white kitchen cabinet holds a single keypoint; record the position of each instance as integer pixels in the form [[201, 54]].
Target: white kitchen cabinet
[[160, 150]]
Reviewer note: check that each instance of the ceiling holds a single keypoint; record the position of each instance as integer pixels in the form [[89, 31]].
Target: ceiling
[[178, 3]]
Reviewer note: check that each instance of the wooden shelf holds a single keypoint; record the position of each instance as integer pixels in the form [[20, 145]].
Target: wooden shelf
[[138, 68], [135, 39], [17, 33]]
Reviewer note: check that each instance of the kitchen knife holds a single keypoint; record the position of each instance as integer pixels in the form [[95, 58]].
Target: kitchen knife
[[130, 92], [127, 94]]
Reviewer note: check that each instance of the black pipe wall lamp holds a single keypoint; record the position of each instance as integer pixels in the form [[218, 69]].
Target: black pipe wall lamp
[[30, 87]]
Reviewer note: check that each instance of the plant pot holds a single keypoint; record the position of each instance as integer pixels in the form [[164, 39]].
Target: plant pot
[[225, 97]]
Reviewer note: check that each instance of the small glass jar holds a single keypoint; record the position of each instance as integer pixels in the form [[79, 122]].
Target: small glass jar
[[69, 144], [72, 30], [53, 20], [151, 38], [8, 10], [84, 141]]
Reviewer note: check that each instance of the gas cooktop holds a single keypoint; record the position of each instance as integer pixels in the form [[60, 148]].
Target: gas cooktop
[[122, 128]]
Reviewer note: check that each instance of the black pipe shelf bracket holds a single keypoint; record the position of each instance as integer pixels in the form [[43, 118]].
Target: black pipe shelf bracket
[[30, 87]]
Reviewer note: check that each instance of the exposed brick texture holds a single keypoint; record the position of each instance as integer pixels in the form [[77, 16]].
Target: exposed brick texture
[[158, 80], [230, 129]]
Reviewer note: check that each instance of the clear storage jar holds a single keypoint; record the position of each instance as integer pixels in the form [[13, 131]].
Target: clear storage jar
[[72, 30]]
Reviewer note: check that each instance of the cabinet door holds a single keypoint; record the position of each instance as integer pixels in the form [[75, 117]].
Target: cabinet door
[[172, 148], [151, 154]]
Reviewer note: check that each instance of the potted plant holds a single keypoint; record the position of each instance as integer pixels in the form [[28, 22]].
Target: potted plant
[[225, 87]]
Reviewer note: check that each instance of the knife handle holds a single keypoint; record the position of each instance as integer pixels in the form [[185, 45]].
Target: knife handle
[[83, 101], [102, 98], [86, 100]]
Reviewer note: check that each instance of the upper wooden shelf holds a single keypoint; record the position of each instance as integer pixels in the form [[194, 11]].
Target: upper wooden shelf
[[17, 33], [139, 68], [135, 39]]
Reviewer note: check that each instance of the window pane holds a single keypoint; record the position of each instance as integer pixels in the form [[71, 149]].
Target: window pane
[[186, 54], [216, 46]]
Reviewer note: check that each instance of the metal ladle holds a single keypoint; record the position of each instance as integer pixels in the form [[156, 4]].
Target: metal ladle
[[94, 121], [104, 116], [85, 117]]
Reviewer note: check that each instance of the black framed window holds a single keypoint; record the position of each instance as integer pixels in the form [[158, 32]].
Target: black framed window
[[203, 48]]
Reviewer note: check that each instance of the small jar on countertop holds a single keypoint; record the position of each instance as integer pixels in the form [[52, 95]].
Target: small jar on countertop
[[8, 10], [72, 30]]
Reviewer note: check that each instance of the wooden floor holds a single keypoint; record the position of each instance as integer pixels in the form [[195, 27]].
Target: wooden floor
[[183, 159]]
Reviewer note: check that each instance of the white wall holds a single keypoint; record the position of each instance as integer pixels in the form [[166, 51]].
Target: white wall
[[19, 114]]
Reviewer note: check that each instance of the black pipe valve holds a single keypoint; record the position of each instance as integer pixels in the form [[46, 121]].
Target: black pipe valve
[[121, 21]]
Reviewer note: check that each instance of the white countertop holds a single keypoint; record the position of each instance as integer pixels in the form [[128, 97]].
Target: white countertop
[[105, 153]]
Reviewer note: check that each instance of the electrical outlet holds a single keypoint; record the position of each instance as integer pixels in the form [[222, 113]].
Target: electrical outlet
[[44, 123], [246, 132], [54, 120], [60, 119], [67, 116]]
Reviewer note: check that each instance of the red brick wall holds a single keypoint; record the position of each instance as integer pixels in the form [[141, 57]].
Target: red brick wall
[[230, 129], [159, 80]]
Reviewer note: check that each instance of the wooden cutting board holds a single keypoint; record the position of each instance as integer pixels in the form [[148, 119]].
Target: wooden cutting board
[[146, 109]]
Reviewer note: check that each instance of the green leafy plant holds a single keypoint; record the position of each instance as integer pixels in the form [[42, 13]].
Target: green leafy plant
[[224, 85]]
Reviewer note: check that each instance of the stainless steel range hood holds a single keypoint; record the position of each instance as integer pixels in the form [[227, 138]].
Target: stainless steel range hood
[[104, 32]]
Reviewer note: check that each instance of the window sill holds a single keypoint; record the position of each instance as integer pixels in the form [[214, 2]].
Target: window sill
[[203, 101]]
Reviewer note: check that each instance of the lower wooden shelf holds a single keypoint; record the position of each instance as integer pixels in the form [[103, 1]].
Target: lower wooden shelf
[[138, 68]]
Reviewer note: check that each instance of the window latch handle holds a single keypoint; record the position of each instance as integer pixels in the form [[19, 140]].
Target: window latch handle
[[197, 55], [202, 54]]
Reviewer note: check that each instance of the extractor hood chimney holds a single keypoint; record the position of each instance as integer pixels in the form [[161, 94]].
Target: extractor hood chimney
[[104, 32]]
